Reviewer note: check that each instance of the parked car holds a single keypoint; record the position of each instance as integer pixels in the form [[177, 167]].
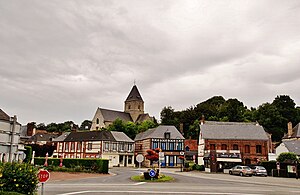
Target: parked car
[[259, 170], [241, 170]]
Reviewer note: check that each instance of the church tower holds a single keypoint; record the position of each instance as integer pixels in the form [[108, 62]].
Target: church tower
[[134, 104]]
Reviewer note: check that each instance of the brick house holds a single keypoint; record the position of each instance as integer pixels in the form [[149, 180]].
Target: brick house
[[112, 145], [224, 144], [167, 138]]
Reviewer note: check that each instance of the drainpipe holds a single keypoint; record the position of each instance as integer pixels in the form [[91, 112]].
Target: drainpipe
[[13, 121]]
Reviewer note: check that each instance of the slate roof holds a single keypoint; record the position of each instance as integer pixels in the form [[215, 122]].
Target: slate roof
[[90, 136], [134, 94], [121, 136], [232, 131], [62, 137], [142, 117], [42, 137], [112, 115], [4, 116], [295, 134], [159, 132], [292, 146]]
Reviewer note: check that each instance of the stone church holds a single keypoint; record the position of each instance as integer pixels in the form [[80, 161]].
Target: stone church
[[133, 111]]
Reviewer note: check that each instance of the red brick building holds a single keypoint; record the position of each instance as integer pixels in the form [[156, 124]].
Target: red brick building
[[224, 144]]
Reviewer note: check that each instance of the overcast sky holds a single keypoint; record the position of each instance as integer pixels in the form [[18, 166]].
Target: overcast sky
[[60, 60]]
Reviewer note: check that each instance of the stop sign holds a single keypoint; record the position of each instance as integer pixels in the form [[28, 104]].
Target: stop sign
[[43, 175]]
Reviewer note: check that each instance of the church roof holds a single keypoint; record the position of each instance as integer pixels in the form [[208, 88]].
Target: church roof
[[134, 94], [3, 116], [112, 115]]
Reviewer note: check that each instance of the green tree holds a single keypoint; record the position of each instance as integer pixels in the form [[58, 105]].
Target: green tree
[[233, 110], [287, 157], [167, 116], [86, 125], [145, 125]]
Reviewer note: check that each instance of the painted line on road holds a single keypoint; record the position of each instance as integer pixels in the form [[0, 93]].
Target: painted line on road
[[116, 184], [140, 183], [155, 192]]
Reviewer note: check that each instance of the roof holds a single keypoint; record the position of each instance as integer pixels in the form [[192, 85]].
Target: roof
[[112, 115], [62, 137], [295, 134], [42, 137], [143, 117], [292, 146], [134, 94], [121, 136], [4, 116], [232, 131], [159, 132], [90, 136]]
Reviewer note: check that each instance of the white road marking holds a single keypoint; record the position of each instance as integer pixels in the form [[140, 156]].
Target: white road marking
[[154, 192], [88, 184]]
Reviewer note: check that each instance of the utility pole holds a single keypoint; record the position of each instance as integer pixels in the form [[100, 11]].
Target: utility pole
[[13, 122]]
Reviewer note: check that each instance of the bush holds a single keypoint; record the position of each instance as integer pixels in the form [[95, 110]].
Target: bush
[[287, 157], [198, 167], [10, 193], [20, 178], [95, 165]]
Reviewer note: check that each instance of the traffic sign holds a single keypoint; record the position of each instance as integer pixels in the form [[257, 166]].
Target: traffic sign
[[43, 175], [181, 153], [152, 173], [140, 158]]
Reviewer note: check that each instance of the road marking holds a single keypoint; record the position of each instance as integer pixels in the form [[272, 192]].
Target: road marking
[[155, 192], [140, 183], [89, 184]]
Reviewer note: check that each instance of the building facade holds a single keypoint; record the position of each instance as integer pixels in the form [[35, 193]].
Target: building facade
[[10, 147], [167, 138], [117, 147], [224, 144], [133, 112]]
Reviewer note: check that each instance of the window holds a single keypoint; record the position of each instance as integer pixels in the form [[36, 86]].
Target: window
[[106, 146], [224, 147], [60, 147], [67, 146], [258, 149], [187, 148], [154, 145], [235, 147], [72, 146], [247, 148], [167, 135], [129, 148], [179, 146], [139, 107], [78, 146], [121, 146], [171, 146], [129, 107], [97, 121], [212, 146], [129, 160], [114, 146], [163, 145], [90, 146]]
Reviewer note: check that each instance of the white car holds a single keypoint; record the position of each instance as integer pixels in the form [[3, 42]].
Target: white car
[[241, 170], [260, 170]]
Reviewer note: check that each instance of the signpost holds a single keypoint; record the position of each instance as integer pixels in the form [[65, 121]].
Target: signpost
[[140, 159], [152, 173], [43, 176]]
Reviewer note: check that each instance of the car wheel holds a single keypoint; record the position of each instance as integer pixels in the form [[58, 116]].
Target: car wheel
[[241, 174], [230, 172]]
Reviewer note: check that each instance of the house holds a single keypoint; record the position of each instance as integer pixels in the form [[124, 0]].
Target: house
[[112, 145], [290, 141], [224, 144], [10, 147], [191, 150], [133, 112], [167, 138]]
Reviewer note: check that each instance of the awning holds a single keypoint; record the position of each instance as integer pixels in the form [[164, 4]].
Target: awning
[[229, 160]]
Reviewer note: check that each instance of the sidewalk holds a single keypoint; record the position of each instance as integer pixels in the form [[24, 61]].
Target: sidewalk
[[276, 181]]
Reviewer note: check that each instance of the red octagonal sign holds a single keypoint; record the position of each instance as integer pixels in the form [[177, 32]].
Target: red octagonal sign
[[43, 175]]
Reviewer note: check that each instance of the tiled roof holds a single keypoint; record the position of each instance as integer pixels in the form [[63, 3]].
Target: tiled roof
[[121, 136], [159, 132], [134, 94], [143, 117], [4, 116], [42, 137], [292, 146], [90, 136], [112, 115], [295, 134], [232, 131], [62, 137]]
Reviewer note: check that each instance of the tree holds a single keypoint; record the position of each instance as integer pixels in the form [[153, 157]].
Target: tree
[[152, 155], [41, 126], [167, 116], [233, 110], [287, 157], [86, 125], [145, 125]]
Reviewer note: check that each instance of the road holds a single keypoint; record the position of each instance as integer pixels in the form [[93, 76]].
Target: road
[[185, 183]]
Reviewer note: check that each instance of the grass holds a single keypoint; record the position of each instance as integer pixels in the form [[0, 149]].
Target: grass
[[163, 178]]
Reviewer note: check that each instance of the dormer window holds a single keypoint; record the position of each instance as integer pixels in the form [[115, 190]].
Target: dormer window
[[167, 135]]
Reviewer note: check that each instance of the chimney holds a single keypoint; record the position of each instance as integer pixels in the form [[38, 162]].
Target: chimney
[[181, 128], [202, 121], [290, 129]]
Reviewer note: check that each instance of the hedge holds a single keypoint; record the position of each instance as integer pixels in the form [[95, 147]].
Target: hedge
[[96, 165]]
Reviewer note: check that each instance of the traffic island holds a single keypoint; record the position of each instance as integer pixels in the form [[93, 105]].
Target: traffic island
[[161, 178]]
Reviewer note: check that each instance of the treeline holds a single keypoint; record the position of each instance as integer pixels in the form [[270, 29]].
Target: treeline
[[272, 116]]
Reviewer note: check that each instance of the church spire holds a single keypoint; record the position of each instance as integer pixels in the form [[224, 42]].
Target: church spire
[[134, 95]]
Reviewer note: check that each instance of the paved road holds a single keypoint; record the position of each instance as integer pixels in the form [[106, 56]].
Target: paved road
[[185, 183]]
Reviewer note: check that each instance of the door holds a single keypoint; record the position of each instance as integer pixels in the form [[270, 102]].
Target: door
[[171, 163]]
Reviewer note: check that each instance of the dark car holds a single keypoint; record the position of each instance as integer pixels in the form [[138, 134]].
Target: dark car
[[259, 171], [241, 170]]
